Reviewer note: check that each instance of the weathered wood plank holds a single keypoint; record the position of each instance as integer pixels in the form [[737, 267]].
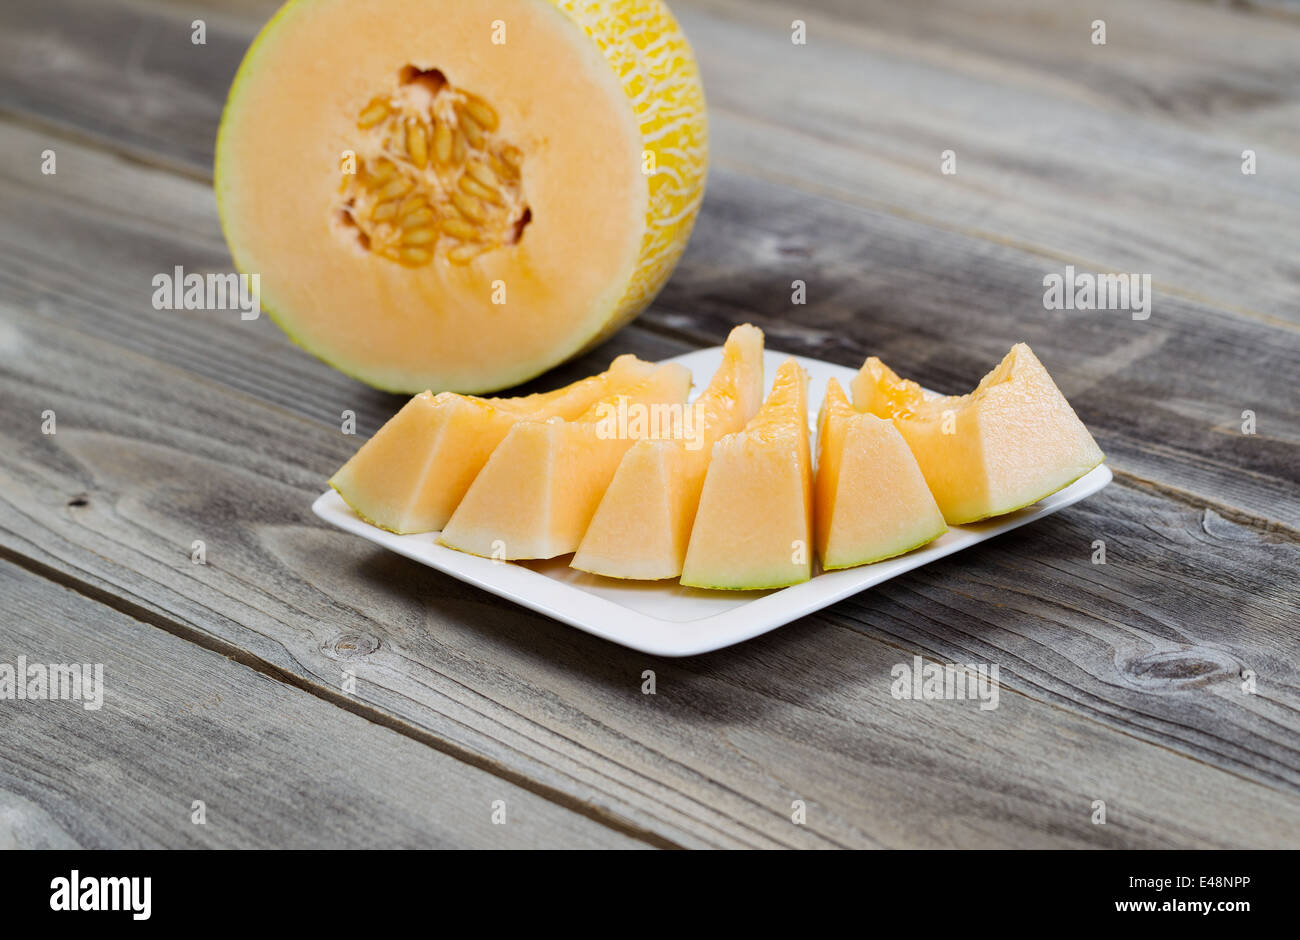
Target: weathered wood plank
[[1188, 619], [146, 459], [1049, 156], [274, 766], [118, 72], [1118, 157], [1212, 66]]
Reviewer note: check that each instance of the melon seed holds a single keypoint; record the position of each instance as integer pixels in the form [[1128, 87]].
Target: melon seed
[[502, 169], [459, 228], [482, 173], [419, 236], [417, 145], [473, 130], [421, 216], [468, 206], [474, 188], [414, 256], [398, 187], [442, 143], [384, 211], [372, 114], [481, 112], [382, 172]]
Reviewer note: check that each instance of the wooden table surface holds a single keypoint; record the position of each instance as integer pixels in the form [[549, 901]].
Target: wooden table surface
[[1126, 682]]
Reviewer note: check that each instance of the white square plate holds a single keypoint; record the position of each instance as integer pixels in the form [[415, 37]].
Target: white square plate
[[662, 617]]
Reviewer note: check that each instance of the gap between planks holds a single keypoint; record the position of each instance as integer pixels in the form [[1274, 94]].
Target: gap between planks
[[76, 134], [846, 196], [851, 625], [177, 628]]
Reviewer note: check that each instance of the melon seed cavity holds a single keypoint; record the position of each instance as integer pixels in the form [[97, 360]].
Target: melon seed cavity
[[433, 176]]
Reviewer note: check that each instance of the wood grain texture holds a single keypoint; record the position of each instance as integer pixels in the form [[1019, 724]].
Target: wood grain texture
[[161, 458], [1121, 157], [273, 766], [1120, 682]]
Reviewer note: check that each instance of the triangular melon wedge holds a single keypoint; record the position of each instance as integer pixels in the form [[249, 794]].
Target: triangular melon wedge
[[870, 500], [753, 529], [643, 524], [413, 473], [539, 489], [1006, 445]]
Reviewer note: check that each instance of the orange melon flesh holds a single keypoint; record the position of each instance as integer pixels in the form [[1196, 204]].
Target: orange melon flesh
[[643, 524], [753, 529], [1010, 443], [539, 489], [413, 473], [870, 499], [457, 195]]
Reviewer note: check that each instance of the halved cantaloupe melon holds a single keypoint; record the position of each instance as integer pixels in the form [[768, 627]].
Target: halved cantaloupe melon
[[459, 194], [1006, 445], [539, 489], [643, 524], [754, 525], [870, 500], [413, 473]]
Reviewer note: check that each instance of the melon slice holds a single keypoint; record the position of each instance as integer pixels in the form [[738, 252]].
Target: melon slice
[[413, 473], [643, 524], [754, 526], [539, 489], [870, 500], [459, 195], [1006, 445]]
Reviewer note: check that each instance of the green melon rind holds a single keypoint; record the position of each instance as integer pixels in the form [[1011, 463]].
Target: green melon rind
[[871, 561], [781, 583], [467, 551], [364, 518], [1034, 501]]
